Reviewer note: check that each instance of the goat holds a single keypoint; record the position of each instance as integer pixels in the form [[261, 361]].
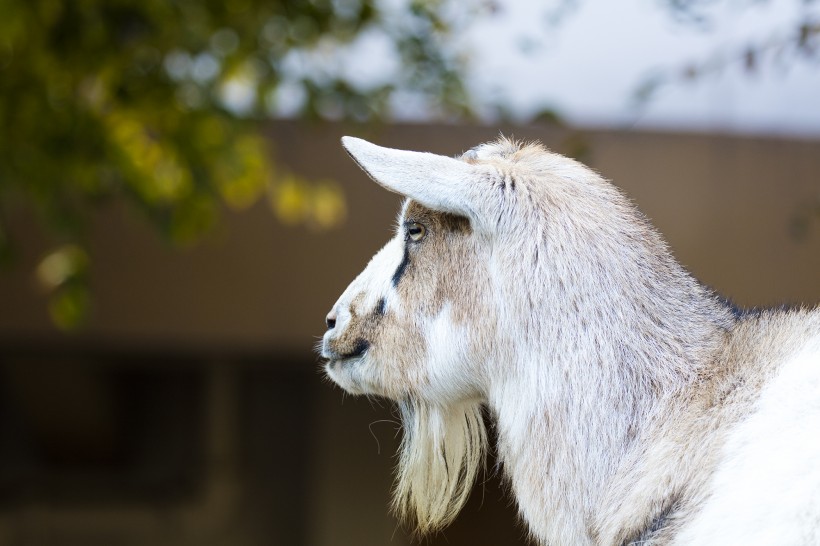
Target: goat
[[632, 404]]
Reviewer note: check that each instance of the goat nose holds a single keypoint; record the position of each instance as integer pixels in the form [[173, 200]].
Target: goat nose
[[330, 319]]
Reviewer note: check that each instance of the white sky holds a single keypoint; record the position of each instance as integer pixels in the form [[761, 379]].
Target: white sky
[[588, 66]]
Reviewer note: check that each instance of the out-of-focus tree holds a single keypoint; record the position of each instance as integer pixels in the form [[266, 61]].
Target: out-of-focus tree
[[766, 55], [159, 102], [798, 42]]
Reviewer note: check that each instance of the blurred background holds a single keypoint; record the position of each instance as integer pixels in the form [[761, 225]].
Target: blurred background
[[177, 216]]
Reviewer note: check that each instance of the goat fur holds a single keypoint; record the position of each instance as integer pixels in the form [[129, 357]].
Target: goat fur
[[632, 404]]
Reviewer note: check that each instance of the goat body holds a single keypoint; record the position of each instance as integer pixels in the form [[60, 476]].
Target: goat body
[[632, 404]]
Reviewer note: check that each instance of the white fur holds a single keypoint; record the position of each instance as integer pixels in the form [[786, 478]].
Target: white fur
[[447, 346], [371, 283], [632, 405], [767, 487]]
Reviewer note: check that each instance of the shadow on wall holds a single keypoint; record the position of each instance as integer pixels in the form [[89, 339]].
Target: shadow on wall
[[112, 449]]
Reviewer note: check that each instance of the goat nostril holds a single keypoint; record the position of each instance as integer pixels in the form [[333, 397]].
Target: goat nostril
[[330, 320]]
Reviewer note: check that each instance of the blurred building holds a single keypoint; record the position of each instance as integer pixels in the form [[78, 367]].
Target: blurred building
[[191, 409]]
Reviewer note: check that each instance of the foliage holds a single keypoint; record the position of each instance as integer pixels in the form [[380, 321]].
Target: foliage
[[159, 102], [796, 43], [800, 42]]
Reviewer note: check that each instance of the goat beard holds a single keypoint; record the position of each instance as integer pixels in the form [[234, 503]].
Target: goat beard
[[442, 451]]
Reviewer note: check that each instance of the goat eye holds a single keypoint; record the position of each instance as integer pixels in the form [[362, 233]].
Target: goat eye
[[416, 231]]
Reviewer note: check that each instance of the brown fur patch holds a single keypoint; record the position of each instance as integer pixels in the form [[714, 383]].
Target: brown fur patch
[[435, 273]]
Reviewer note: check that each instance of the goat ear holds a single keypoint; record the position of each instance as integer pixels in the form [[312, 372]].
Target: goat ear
[[437, 182]]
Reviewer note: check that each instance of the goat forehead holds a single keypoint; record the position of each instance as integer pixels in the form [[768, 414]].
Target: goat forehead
[[413, 211], [503, 148], [527, 162]]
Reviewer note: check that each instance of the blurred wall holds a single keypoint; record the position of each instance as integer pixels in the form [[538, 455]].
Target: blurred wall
[[725, 204], [190, 409]]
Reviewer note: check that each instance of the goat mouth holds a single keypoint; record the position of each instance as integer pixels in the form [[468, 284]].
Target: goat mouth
[[358, 351]]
